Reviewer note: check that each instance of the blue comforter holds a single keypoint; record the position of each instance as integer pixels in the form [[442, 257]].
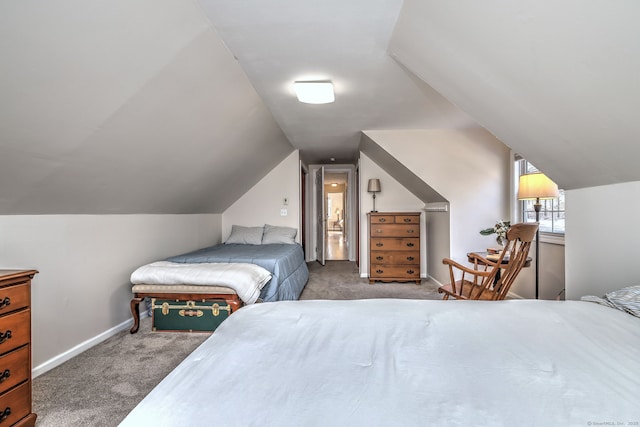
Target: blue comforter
[[285, 262]]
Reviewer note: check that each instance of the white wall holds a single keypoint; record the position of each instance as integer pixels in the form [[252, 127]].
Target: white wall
[[263, 202], [600, 238], [471, 169], [82, 290], [394, 197], [438, 227]]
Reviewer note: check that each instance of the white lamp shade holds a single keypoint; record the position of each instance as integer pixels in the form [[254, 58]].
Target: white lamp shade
[[373, 186], [537, 186], [314, 92]]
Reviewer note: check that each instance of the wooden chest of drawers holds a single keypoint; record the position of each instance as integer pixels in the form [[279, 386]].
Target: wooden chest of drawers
[[394, 247], [15, 348]]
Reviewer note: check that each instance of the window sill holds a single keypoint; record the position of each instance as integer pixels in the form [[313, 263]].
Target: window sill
[[552, 238]]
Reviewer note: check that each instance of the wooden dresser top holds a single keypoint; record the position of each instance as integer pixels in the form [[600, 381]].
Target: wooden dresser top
[[10, 274]]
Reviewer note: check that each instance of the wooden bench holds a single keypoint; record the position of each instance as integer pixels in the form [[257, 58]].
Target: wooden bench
[[180, 292]]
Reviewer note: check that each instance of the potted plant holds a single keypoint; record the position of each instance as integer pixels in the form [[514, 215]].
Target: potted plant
[[500, 229]]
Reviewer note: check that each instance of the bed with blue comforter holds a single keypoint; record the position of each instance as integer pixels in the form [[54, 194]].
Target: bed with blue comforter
[[285, 262]]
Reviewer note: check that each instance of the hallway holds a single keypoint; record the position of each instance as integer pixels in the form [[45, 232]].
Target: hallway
[[337, 248]]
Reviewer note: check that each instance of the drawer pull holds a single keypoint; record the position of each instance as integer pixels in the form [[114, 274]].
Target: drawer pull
[[410, 230], [379, 258], [5, 336], [5, 302], [407, 220], [379, 244], [379, 230], [5, 375], [410, 244], [5, 414], [379, 271], [410, 258], [410, 271], [382, 220]]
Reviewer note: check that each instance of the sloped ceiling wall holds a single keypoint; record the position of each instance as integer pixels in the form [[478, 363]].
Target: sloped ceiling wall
[[556, 81], [125, 107], [399, 171]]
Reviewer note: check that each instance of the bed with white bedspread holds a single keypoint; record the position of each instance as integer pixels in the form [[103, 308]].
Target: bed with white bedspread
[[395, 362]]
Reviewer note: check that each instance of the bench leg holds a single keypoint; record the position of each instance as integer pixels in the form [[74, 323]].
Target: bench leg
[[135, 312]]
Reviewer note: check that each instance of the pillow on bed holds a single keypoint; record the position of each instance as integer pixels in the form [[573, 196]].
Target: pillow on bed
[[245, 235], [276, 234], [625, 299]]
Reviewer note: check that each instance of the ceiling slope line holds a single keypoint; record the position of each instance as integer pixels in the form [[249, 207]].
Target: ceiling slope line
[[400, 172]]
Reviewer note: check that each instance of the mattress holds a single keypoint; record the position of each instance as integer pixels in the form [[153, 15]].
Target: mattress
[[407, 363], [285, 262]]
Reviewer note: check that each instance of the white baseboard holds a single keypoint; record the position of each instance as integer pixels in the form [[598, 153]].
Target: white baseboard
[[433, 279], [84, 346]]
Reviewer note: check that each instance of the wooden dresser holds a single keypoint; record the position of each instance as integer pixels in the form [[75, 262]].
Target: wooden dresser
[[394, 247], [15, 348]]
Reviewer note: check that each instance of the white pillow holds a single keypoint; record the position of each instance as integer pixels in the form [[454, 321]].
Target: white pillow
[[276, 234], [245, 235]]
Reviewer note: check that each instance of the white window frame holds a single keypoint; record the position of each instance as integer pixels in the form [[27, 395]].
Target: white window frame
[[522, 166]]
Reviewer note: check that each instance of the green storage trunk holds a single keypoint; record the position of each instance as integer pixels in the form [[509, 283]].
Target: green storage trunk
[[188, 316]]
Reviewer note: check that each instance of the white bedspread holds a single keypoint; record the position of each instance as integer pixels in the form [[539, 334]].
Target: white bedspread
[[246, 279], [407, 363]]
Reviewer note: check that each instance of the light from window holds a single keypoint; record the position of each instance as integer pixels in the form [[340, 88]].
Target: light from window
[[551, 212]]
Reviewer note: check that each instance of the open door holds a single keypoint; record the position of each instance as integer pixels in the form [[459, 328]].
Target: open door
[[321, 220]]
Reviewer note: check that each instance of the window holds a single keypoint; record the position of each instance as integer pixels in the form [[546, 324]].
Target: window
[[551, 212]]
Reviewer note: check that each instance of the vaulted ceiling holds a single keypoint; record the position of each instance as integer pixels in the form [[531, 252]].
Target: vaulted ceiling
[[174, 106], [557, 81]]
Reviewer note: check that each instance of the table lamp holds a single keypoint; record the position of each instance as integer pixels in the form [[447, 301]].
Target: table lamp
[[374, 187]]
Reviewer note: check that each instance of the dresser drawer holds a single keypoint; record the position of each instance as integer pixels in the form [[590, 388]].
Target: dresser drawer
[[394, 244], [395, 230], [14, 368], [14, 297], [395, 271], [15, 330], [382, 219], [399, 257], [407, 219], [15, 404]]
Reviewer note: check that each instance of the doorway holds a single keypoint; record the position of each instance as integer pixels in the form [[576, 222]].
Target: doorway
[[337, 216], [324, 222]]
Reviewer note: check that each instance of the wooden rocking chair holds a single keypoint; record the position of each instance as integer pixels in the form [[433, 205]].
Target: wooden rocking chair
[[491, 279]]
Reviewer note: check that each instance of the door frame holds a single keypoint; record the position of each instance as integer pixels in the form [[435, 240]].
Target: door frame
[[351, 207]]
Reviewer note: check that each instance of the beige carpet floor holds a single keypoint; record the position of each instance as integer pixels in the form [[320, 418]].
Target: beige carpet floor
[[100, 386], [341, 280]]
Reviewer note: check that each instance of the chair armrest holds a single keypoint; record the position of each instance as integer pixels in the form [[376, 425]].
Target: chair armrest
[[474, 257], [452, 263]]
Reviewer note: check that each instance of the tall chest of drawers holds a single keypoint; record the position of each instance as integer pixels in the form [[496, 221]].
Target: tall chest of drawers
[[394, 247], [15, 348]]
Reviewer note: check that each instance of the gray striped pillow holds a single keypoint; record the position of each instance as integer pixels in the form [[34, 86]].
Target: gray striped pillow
[[625, 299]]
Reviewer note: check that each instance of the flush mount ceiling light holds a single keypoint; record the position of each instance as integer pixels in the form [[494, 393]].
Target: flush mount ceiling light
[[314, 92]]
